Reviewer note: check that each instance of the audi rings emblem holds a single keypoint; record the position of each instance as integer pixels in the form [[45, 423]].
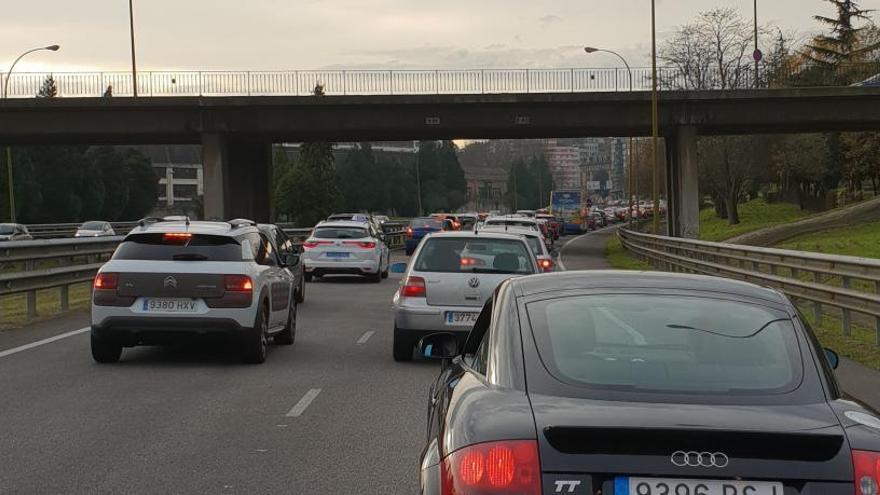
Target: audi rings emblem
[[700, 459]]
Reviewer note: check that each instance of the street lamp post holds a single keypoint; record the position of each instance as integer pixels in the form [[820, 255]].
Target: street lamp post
[[588, 50], [655, 131], [134, 74], [51, 48]]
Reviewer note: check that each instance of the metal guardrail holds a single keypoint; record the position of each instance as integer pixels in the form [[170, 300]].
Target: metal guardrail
[[30, 266], [414, 82], [56, 230], [846, 284]]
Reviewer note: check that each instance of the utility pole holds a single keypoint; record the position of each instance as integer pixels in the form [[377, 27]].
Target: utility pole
[[757, 55], [419, 176], [134, 74], [515, 190]]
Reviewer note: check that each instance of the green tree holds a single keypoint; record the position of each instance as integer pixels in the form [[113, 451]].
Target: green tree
[[48, 89], [142, 184], [442, 178], [841, 45]]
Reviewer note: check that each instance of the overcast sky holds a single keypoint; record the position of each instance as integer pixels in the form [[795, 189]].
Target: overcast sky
[[313, 34]]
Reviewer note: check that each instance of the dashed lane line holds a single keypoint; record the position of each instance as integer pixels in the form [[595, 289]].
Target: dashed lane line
[[303, 404], [16, 350], [365, 337]]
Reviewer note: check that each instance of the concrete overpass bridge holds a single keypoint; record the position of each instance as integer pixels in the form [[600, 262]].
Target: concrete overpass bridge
[[236, 132]]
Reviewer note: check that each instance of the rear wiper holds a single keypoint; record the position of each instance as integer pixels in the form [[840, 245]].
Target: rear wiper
[[189, 257]]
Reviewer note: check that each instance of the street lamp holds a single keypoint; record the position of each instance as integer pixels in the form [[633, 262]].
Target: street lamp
[[590, 50], [655, 131], [51, 48], [134, 75]]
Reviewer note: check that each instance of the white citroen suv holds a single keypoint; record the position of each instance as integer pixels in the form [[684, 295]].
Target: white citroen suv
[[175, 280]]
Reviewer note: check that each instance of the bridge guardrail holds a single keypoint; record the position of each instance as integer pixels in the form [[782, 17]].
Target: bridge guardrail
[[77, 260], [425, 82], [846, 284]]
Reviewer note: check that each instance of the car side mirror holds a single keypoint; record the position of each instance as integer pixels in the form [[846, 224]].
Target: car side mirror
[[291, 259], [833, 358], [439, 346], [398, 267]]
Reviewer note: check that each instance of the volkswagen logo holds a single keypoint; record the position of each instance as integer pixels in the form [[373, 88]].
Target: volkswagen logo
[[700, 459], [170, 282], [474, 283]]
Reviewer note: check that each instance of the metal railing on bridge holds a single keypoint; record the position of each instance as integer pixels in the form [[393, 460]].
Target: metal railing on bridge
[[424, 82], [30, 266], [845, 287]]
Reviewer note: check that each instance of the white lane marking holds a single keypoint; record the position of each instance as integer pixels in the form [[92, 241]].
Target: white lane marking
[[303, 403], [15, 350], [365, 337]]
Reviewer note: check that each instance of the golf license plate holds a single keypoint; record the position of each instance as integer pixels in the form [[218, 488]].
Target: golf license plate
[[170, 305], [457, 319], [624, 485]]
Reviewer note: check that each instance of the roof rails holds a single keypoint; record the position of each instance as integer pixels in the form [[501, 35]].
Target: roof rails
[[238, 223]]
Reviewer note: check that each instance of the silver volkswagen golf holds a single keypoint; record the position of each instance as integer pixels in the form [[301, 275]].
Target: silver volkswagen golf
[[450, 277]]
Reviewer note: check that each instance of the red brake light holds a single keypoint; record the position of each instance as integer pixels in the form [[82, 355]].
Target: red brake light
[[176, 237], [314, 244], [414, 287], [866, 467], [361, 244], [106, 281], [472, 262], [546, 264], [493, 468], [238, 283], [409, 232]]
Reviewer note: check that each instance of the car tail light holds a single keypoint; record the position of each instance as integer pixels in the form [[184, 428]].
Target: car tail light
[[313, 244], [413, 287], [472, 262], [361, 244], [106, 281], [181, 238], [866, 466], [493, 468], [546, 264], [238, 283], [409, 232]]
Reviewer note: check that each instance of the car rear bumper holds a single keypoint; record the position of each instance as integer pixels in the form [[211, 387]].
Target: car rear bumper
[[132, 331], [430, 319], [348, 267]]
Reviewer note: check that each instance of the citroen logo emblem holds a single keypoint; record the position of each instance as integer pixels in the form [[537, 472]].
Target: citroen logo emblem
[[170, 282]]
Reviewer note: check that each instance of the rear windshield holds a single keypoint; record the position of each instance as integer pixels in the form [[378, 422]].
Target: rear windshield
[[427, 223], [340, 233], [158, 247], [514, 223], [666, 344], [7, 229], [475, 255], [468, 223], [92, 226], [536, 244]]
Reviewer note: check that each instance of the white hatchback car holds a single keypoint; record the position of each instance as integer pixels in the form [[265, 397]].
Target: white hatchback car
[[169, 281], [450, 277], [346, 248]]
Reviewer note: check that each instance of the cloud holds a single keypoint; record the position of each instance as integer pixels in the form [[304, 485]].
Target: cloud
[[549, 19]]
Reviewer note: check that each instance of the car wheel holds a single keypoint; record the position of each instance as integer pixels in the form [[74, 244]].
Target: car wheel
[[375, 277], [387, 267], [307, 277], [257, 342], [403, 347], [300, 293], [105, 351], [288, 335]]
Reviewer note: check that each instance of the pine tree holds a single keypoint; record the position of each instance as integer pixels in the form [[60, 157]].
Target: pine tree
[[841, 45], [48, 88]]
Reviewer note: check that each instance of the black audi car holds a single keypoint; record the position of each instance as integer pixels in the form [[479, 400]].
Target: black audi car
[[623, 383]]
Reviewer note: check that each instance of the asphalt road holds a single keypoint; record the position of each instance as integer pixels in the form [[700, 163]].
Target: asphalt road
[[194, 420]]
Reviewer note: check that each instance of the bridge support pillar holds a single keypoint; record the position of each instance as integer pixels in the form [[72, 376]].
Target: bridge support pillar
[[682, 184], [237, 178]]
